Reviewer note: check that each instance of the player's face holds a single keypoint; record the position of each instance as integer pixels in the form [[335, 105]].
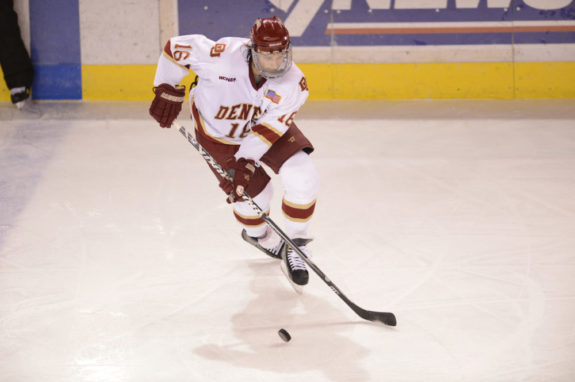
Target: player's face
[[272, 64], [271, 61]]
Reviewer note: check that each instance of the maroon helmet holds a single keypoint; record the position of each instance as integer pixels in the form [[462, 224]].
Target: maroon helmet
[[271, 47], [270, 34]]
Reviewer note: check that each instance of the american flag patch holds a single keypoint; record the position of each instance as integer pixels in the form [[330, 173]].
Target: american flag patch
[[271, 95]]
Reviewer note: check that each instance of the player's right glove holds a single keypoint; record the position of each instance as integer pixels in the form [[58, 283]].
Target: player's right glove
[[167, 104]]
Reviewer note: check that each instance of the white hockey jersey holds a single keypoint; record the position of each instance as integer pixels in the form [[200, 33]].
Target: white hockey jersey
[[233, 110]]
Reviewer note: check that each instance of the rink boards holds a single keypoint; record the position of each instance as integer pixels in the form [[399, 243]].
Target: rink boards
[[378, 49]]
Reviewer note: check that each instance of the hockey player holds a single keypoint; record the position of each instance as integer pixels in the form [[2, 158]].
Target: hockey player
[[243, 108]]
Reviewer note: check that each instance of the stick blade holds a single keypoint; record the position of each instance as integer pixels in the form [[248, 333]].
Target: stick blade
[[386, 318]]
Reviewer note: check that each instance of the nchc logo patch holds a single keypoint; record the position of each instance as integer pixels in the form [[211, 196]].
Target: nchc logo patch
[[273, 96]]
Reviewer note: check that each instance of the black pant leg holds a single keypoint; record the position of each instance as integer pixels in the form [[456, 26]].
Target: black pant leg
[[14, 57]]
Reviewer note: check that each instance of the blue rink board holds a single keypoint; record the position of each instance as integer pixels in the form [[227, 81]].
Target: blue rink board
[[55, 49], [216, 19]]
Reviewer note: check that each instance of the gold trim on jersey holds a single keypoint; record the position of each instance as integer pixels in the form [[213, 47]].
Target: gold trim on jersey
[[267, 133], [174, 61]]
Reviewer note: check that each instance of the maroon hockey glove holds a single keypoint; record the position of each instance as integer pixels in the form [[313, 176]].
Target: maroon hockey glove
[[242, 171], [167, 104], [228, 187]]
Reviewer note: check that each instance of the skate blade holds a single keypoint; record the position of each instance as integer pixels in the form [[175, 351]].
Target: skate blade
[[296, 287], [256, 244]]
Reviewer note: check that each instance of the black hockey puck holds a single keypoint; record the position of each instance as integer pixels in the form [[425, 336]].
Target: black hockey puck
[[284, 335]]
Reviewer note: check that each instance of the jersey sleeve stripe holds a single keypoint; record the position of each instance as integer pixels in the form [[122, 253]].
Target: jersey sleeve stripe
[[167, 53], [168, 50]]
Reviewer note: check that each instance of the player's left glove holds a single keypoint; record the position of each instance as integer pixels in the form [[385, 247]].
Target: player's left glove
[[228, 187], [167, 104], [242, 171]]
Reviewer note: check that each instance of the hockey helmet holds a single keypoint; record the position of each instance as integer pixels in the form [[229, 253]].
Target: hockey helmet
[[270, 47]]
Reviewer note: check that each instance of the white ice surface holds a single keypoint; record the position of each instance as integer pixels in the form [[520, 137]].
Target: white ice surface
[[121, 261]]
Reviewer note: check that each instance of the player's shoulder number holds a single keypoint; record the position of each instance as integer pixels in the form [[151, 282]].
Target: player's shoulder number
[[182, 51]]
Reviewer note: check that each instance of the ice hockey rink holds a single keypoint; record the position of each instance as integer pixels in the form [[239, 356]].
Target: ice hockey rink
[[121, 261]]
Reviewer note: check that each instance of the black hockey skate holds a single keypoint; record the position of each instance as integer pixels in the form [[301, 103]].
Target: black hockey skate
[[274, 252], [293, 266]]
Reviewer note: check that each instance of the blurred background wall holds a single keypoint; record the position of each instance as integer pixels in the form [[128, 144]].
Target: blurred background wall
[[348, 49]]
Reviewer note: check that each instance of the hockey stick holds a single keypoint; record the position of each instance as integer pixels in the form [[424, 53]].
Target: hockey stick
[[386, 318]]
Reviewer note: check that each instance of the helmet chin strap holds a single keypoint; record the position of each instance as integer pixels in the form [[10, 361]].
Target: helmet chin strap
[[258, 76]]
